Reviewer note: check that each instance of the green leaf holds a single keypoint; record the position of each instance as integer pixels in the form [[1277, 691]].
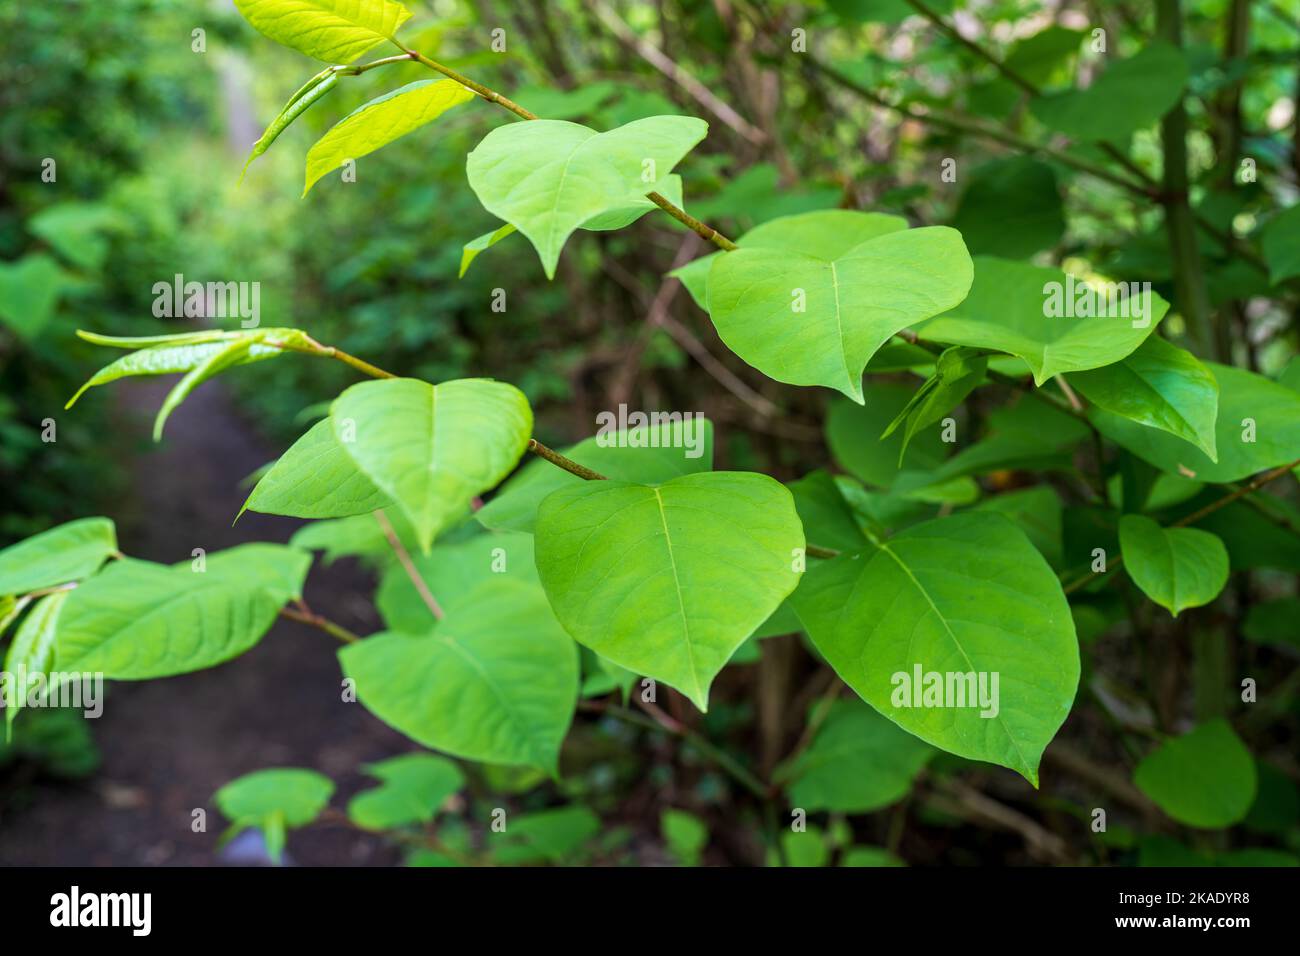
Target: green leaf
[[299, 103], [1031, 312], [336, 31], [29, 291], [869, 856], [76, 231], [68, 552], [553, 835], [1250, 406], [858, 762], [1010, 208], [1274, 622], [495, 681], [273, 800], [828, 519], [32, 650], [1046, 54], [233, 353], [1204, 779], [1159, 385], [453, 569], [137, 620], [669, 580], [548, 177], [1129, 95], [648, 454], [414, 787], [379, 122], [855, 434], [168, 359], [316, 478], [1177, 568], [814, 312], [965, 594], [1037, 512], [685, 834], [485, 241], [432, 448], [1281, 246]]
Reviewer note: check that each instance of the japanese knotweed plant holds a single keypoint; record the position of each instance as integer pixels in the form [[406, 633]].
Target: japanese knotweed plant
[[612, 565]]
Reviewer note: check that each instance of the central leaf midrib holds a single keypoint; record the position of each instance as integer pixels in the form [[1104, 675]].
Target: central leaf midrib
[[677, 586], [956, 643]]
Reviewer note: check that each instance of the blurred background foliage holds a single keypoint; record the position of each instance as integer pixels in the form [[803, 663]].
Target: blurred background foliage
[[148, 136]]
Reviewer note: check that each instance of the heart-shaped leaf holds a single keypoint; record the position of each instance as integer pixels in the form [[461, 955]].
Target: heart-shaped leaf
[[1047, 318], [1177, 568], [964, 604], [1159, 385], [274, 800], [414, 786], [814, 314], [379, 122], [432, 448], [336, 31], [495, 681], [549, 177], [669, 580], [1204, 779]]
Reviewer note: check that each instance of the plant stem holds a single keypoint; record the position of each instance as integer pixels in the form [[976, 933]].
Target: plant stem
[[568, 464], [404, 557], [690, 222], [304, 616]]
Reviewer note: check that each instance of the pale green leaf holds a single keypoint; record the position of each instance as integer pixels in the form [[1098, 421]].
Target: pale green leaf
[[1177, 568], [963, 595], [814, 313], [273, 800], [68, 552], [168, 359], [432, 448], [668, 580], [299, 103], [32, 650], [413, 787], [379, 122], [336, 31], [483, 242], [495, 681], [549, 177], [316, 478]]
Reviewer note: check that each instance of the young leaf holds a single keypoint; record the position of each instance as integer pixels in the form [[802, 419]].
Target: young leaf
[[32, 650], [495, 681], [432, 448], [814, 313], [1258, 427], [1204, 779], [379, 122], [963, 595], [68, 552], [1177, 568], [414, 787], [957, 373], [485, 241], [1159, 385], [273, 800], [336, 31], [669, 580], [1128, 96], [548, 177], [168, 359], [648, 454], [316, 478], [233, 353], [1010, 309], [299, 103], [857, 763]]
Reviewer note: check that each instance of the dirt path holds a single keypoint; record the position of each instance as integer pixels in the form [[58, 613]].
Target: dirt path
[[169, 744]]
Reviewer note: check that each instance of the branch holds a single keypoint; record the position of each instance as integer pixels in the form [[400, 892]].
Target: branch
[[306, 616], [568, 464], [404, 556]]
